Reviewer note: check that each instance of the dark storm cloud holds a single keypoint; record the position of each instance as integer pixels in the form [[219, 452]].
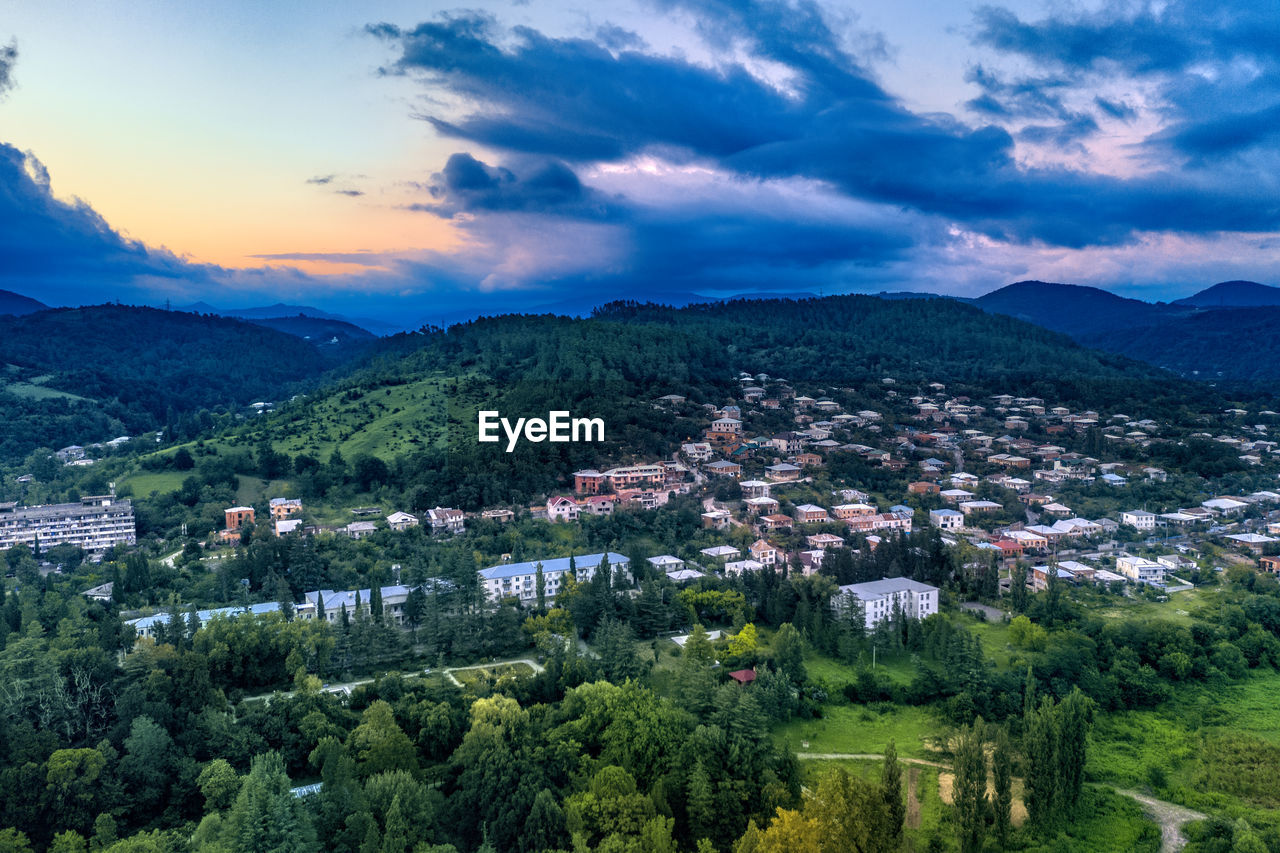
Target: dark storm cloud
[[576, 100], [466, 185], [46, 242]]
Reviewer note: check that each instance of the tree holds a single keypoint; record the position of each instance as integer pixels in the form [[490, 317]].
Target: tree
[[618, 658], [788, 653], [541, 587], [1041, 750], [219, 784], [266, 817], [744, 642], [790, 832], [415, 607], [1075, 713], [1002, 781], [379, 744], [544, 829], [1018, 586], [891, 792], [971, 787]]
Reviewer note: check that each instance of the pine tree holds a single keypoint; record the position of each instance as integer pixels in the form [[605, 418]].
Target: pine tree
[[544, 829], [700, 802], [971, 787], [1002, 780], [375, 600], [891, 793], [1041, 750], [541, 586], [1074, 713]]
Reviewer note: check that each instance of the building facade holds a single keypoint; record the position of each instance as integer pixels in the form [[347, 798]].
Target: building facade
[[94, 524]]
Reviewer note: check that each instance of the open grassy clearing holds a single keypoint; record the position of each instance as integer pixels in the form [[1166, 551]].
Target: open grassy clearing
[[1216, 749], [866, 729], [144, 483]]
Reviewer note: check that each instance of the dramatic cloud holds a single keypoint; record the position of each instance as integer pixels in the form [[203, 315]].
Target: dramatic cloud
[[820, 114], [466, 185]]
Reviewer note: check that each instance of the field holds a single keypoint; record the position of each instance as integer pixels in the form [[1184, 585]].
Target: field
[[144, 483], [866, 730], [1213, 749], [382, 422], [478, 674]]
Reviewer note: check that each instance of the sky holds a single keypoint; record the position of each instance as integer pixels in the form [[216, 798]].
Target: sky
[[412, 161]]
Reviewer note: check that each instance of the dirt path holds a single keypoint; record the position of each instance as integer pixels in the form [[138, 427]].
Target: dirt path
[[913, 798], [1170, 816], [865, 756]]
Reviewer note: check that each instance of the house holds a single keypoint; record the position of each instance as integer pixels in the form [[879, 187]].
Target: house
[[807, 460], [754, 488], [697, 452], [560, 508], [444, 520], [1039, 576], [858, 510], [284, 507], [1010, 549], [666, 563], [824, 541], [716, 519], [738, 567], [724, 468], [1251, 541], [724, 431], [811, 514], [923, 487], [101, 592], [502, 516], [1139, 518], [743, 676], [1226, 506], [955, 496], [1267, 564], [589, 482], [946, 519], [285, 526], [783, 472], [721, 552], [1029, 541], [880, 600], [519, 580], [360, 529], [775, 522], [598, 505], [761, 505], [401, 521], [764, 553], [971, 507], [238, 516], [1140, 569]]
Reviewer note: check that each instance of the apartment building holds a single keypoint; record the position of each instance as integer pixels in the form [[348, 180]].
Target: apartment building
[[519, 580], [880, 599], [94, 524]]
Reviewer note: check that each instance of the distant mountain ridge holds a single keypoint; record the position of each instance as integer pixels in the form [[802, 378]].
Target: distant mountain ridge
[[1233, 294], [18, 305], [281, 309], [1074, 309]]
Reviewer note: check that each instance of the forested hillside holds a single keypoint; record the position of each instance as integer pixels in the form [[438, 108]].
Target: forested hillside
[[88, 374]]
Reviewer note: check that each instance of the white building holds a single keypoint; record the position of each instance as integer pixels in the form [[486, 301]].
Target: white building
[[94, 524], [519, 580], [946, 519], [1140, 569], [879, 599], [1139, 518]]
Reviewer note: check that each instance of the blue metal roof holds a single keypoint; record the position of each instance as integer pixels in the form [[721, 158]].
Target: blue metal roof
[[555, 564]]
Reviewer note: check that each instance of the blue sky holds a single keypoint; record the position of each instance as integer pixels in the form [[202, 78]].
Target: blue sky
[[405, 160]]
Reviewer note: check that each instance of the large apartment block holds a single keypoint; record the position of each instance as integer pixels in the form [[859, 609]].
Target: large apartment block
[[881, 599], [519, 580], [94, 524]]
